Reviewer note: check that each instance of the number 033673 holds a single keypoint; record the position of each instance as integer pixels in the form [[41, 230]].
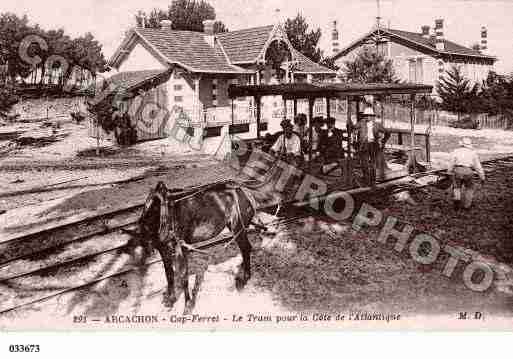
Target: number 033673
[[26, 348]]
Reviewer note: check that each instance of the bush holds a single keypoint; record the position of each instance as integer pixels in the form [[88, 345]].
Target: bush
[[466, 122], [8, 98]]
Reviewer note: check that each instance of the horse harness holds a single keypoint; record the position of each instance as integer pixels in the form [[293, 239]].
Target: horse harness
[[168, 218]]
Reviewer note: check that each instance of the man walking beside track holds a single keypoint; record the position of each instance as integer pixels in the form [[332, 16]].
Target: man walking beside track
[[464, 162]]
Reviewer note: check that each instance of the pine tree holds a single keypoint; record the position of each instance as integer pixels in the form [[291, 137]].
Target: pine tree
[[457, 93], [369, 67], [303, 39]]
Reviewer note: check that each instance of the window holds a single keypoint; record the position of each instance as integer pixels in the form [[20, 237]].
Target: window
[[420, 72], [178, 98], [416, 71], [177, 87], [412, 68]]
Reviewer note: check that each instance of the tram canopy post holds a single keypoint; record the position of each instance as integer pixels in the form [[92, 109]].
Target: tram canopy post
[[311, 102], [412, 134], [258, 114], [295, 107], [382, 102], [328, 107], [348, 163], [233, 114], [284, 107]]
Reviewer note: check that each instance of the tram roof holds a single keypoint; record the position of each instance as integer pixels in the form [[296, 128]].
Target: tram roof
[[307, 90], [290, 91]]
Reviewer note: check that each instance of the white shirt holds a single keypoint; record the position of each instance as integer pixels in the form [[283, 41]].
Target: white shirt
[[300, 130], [292, 144], [467, 157], [315, 139], [370, 131]]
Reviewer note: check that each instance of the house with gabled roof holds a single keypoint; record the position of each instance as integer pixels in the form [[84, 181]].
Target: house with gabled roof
[[423, 57], [200, 66]]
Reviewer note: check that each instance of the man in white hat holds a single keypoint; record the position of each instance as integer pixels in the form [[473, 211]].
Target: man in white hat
[[464, 162], [372, 137]]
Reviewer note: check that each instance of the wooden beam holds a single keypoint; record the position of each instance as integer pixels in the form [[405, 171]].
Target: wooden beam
[[412, 133], [348, 163], [232, 110], [258, 114], [311, 102]]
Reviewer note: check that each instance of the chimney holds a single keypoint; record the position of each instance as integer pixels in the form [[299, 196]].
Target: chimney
[[278, 17], [425, 31], [484, 39], [439, 34], [166, 24], [140, 20], [334, 39], [208, 29]]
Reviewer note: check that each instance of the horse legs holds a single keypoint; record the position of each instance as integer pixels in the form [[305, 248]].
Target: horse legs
[[169, 297], [244, 273], [183, 272]]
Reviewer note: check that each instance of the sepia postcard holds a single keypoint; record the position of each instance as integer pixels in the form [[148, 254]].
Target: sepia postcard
[[180, 165]]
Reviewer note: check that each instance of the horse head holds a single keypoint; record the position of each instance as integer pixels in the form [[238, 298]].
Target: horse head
[[149, 223]]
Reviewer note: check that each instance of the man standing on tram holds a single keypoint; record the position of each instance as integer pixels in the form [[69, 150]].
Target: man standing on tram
[[372, 137]]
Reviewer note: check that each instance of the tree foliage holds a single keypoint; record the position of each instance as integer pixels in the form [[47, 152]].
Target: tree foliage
[[8, 97], [497, 94], [184, 14], [13, 30], [369, 66], [84, 52], [302, 38], [458, 94]]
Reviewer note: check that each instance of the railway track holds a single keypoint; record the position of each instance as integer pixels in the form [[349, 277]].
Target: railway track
[[79, 264], [78, 254]]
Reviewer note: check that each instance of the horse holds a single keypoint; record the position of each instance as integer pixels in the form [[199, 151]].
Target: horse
[[173, 222]]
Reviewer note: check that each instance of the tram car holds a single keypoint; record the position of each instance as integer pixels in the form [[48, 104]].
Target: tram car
[[355, 160]]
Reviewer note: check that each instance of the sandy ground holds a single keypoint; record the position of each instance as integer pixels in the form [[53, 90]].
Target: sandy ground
[[312, 267]]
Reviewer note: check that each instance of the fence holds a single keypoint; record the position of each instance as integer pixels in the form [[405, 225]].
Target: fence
[[400, 113]]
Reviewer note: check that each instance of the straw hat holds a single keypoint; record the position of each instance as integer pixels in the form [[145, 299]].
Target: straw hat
[[368, 112], [465, 142]]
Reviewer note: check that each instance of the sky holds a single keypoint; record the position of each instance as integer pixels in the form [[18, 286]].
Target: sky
[[109, 19]]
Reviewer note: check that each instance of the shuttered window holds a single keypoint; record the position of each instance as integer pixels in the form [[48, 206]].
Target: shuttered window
[[416, 71]]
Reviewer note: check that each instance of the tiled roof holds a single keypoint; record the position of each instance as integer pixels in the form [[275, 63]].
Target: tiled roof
[[244, 46], [188, 49], [451, 48], [308, 66], [127, 81]]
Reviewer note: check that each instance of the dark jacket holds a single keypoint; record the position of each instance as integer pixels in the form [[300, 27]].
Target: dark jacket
[[331, 146]]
